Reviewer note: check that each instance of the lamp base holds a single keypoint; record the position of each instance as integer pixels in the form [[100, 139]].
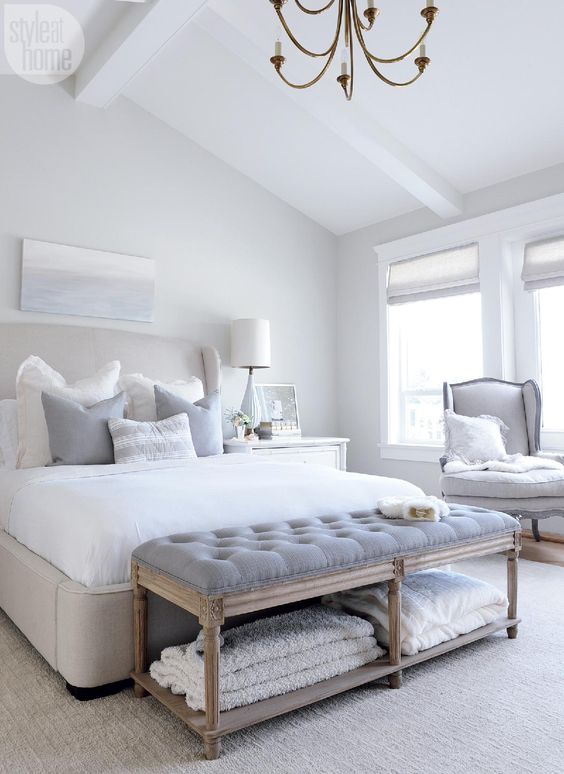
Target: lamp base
[[250, 404]]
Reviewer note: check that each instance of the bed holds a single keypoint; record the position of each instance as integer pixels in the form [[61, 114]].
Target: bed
[[66, 533]]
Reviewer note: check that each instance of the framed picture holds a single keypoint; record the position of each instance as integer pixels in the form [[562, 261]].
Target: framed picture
[[60, 279], [279, 405]]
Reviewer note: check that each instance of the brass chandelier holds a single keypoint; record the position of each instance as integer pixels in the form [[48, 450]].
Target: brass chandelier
[[348, 20]]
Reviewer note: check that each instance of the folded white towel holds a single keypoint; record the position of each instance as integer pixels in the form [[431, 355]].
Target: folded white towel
[[436, 606], [426, 508]]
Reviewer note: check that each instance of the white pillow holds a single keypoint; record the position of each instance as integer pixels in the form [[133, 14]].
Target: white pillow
[[8, 434], [474, 439], [169, 439], [141, 394], [34, 377]]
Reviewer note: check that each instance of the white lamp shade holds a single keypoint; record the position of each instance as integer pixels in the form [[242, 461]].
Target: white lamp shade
[[250, 343]]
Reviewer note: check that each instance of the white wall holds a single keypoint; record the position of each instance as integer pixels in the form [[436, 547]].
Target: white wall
[[358, 347], [121, 180]]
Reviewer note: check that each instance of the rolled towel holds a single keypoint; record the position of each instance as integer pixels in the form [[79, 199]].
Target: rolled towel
[[436, 606], [427, 508]]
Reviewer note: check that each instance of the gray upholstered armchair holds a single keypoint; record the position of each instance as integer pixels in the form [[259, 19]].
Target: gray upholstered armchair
[[537, 494]]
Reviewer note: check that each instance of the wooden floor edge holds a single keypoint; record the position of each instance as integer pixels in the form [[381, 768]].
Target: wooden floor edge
[[547, 537]]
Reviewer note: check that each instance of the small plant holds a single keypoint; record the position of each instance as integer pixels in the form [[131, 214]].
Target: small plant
[[238, 418]]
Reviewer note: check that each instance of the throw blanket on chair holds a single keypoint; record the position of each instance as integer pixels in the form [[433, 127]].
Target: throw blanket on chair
[[271, 656], [511, 463], [436, 606]]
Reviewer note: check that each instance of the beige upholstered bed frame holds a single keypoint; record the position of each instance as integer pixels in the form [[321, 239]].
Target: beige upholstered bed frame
[[86, 633]]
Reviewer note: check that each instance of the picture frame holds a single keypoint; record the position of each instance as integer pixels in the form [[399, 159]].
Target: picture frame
[[279, 405]]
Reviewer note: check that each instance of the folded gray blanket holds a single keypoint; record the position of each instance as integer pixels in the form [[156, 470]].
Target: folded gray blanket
[[271, 656]]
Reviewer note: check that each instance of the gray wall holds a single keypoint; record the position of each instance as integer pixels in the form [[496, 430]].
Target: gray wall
[[120, 180]]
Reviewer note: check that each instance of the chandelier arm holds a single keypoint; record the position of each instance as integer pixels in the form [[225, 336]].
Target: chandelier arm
[[358, 21], [313, 80], [358, 29], [382, 77], [296, 42], [316, 11]]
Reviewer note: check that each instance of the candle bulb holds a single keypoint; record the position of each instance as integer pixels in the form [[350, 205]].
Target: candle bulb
[[371, 4], [345, 61], [430, 3], [422, 50], [278, 48]]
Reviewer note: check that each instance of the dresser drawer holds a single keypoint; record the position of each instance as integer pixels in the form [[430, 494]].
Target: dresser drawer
[[328, 456]]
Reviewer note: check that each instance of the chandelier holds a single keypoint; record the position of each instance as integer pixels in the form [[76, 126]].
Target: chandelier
[[349, 21]]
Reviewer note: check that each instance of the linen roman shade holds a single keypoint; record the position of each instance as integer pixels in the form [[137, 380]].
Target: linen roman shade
[[446, 273], [543, 265]]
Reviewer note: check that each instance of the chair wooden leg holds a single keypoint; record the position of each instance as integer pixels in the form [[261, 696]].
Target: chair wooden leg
[[512, 586], [394, 626], [211, 666], [139, 631], [535, 529]]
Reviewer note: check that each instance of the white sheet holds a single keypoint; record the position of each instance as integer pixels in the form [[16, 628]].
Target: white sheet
[[87, 520]]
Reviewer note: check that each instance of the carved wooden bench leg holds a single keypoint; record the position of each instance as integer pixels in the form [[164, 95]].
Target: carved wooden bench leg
[[394, 625], [512, 584], [211, 618], [139, 631]]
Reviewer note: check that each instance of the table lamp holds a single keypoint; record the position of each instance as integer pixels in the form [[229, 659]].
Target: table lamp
[[250, 348]]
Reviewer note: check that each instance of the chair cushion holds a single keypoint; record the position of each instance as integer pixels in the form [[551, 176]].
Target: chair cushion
[[240, 558], [488, 483]]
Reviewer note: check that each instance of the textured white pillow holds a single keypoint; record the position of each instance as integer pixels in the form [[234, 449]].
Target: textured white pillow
[[141, 394], [169, 439], [474, 439], [34, 377], [8, 434]]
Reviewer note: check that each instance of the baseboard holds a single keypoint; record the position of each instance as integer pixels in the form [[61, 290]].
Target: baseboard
[[548, 537]]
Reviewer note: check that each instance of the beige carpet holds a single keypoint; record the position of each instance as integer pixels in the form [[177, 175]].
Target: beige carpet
[[492, 707]]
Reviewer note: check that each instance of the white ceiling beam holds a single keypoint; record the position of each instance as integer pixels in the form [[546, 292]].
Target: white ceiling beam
[[138, 37], [350, 123]]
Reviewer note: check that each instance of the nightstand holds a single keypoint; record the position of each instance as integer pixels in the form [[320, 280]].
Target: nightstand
[[319, 451]]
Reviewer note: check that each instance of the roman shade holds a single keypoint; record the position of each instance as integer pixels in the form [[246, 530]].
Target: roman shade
[[543, 264], [446, 273]]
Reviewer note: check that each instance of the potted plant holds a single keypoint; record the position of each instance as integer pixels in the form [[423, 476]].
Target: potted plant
[[242, 423]]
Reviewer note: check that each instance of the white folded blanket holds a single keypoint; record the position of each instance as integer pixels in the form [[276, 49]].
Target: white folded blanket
[[271, 656], [426, 508], [436, 607], [511, 463]]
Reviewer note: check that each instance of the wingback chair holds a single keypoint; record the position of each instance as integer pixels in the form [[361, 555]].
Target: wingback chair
[[537, 494]]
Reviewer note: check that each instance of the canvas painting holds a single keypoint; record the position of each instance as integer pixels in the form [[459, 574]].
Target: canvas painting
[[59, 279]]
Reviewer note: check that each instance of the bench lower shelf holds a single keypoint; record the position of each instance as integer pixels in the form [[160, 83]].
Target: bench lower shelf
[[249, 715]]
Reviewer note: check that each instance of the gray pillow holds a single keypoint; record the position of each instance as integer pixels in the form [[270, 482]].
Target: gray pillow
[[168, 439], [80, 435], [205, 418]]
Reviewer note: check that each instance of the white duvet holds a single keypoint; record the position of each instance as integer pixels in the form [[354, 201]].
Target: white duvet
[[86, 521]]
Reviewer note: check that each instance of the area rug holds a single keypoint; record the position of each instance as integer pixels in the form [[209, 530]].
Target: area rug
[[494, 707]]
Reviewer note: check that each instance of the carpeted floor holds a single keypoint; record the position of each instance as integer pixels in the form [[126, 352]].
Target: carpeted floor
[[494, 707]]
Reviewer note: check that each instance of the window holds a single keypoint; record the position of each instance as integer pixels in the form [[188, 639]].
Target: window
[[550, 303], [425, 350], [434, 335]]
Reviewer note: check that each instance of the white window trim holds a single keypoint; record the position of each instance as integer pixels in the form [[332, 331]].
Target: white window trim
[[500, 235]]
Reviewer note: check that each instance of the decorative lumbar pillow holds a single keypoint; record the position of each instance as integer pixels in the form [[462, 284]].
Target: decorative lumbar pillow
[[79, 435], [169, 439], [474, 439], [34, 377], [141, 394], [204, 415], [8, 433]]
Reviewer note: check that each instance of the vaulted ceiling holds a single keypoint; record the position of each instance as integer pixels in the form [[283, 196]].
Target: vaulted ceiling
[[488, 109]]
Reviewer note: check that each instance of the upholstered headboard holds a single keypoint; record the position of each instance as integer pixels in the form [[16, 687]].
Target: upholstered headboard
[[78, 351]]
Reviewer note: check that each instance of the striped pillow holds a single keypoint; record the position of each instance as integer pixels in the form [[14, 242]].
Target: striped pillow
[[169, 439]]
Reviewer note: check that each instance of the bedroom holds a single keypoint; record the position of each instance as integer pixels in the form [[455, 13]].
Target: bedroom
[[173, 143]]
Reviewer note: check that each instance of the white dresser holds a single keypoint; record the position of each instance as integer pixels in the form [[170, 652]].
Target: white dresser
[[319, 451]]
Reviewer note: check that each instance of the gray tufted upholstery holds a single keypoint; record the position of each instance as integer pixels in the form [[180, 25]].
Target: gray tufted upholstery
[[238, 558]]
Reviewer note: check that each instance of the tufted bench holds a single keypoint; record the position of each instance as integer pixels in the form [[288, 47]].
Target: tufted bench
[[227, 572]]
